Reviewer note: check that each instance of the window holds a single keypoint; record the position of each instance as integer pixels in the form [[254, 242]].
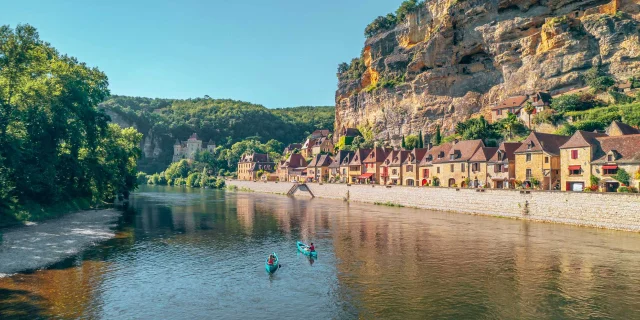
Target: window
[[546, 159], [528, 173], [610, 157], [409, 168], [499, 156], [528, 157], [498, 168], [425, 173], [452, 168], [475, 167], [609, 171], [394, 171], [452, 157], [574, 154], [438, 170], [462, 167], [530, 145], [575, 172], [498, 112]]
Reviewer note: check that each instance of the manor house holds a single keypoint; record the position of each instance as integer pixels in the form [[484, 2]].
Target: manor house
[[188, 149]]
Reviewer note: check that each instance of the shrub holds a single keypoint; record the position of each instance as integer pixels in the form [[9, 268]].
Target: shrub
[[597, 79], [595, 181], [379, 24], [624, 189], [622, 176]]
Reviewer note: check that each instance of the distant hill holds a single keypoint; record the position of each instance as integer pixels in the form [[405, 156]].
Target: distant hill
[[224, 121]]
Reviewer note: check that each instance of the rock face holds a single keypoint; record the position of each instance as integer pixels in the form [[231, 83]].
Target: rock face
[[455, 58]]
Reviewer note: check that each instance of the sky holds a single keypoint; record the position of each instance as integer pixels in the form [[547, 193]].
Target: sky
[[278, 53]]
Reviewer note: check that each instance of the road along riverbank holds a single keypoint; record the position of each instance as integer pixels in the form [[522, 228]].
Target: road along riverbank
[[601, 210], [40, 245]]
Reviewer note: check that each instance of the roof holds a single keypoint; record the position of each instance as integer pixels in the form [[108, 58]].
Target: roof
[[415, 156], [255, 157], [177, 142], [211, 143], [194, 136], [543, 142], [359, 155], [506, 148], [625, 85], [378, 154], [544, 99], [320, 133], [461, 151], [339, 157], [582, 139], [320, 160], [294, 146], [344, 157], [309, 143], [626, 148], [351, 132], [395, 158], [295, 160], [484, 154], [511, 102], [622, 127], [433, 153]]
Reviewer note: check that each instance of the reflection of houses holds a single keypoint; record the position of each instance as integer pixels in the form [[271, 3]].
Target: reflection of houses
[[251, 165], [188, 149], [292, 168], [502, 166], [538, 159], [246, 212], [318, 168]]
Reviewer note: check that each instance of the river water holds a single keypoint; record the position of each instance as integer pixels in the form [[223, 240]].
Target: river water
[[199, 254]]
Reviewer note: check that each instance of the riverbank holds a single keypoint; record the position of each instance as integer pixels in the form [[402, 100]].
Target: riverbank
[[40, 245], [33, 212], [600, 210]]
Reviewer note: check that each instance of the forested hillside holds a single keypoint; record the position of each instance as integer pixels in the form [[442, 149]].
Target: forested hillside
[[224, 121]]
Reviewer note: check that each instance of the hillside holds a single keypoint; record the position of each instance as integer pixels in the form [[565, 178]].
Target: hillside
[[224, 121], [443, 61]]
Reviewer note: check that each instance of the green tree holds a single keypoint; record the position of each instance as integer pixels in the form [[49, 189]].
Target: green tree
[[598, 79], [411, 142], [406, 7], [622, 176], [437, 138], [403, 144], [420, 141], [529, 109]]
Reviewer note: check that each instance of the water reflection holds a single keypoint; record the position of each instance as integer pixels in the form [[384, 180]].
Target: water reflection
[[184, 253]]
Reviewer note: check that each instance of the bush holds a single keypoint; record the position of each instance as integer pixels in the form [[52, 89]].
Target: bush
[[624, 189], [597, 79], [573, 102], [622, 176], [379, 24]]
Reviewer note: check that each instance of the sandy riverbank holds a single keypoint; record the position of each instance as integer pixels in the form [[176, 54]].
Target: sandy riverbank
[[40, 245]]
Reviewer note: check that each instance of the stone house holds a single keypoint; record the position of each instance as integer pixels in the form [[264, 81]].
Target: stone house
[[318, 168], [322, 145], [321, 133], [346, 135], [540, 101], [509, 105], [291, 148], [613, 154], [538, 159], [188, 149], [292, 168], [344, 166], [251, 165], [356, 165], [479, 175], [307, 148], [454, 167], [502, 166], [392, 167], [575, 160], [335, 171], [427, 171], [618, 128], [410, 171], [372, 164]]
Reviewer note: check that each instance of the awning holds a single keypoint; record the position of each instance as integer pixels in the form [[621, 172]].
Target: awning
[[366, 176], [610, 167], [574, 168], [498, 179]]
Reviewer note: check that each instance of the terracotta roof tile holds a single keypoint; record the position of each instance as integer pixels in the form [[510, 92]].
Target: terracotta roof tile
[[543, 142], [511, 102], [626, 148], [582, 139], [507, 149], [483, 154], [461, 151]]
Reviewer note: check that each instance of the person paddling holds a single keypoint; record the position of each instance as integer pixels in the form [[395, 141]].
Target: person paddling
[[312, 248], [271, 260]]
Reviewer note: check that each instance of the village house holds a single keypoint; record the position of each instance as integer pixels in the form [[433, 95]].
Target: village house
[[318, 168], [372, 164], [538, 160], [392, 167], [618, 128], [335, 171], [479, 175], [454, 167], [356, 165], [322, 145], [428, 172], [509, 105], [539, 100], [321, 133], [293, 168], [188, 149], [307, 148], [409, 170], [346, 135], [252, 165], [291, 148], [575, 159], [344, 167], [502, 166], [614, 154]]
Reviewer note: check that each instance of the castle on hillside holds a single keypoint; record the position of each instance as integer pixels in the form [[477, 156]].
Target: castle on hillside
[[188, 149]]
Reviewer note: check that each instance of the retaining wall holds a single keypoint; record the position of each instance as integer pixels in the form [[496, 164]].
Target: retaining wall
[[602, 210]]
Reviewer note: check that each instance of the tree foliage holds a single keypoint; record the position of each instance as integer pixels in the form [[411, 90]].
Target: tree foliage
[[55, 144], [597, 79]]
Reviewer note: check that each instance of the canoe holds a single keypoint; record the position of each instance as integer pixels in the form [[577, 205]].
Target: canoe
[[271, 268], [302, 247]]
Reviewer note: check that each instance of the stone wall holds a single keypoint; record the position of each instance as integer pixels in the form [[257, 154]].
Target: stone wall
[[602, 210]]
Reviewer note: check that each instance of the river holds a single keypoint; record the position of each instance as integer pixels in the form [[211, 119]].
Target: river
[[199, 254]]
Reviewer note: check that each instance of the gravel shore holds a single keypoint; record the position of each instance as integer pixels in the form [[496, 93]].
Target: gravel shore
[[37, 246]]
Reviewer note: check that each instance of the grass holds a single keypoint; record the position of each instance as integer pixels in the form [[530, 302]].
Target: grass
[[388, 204], [235, 188]]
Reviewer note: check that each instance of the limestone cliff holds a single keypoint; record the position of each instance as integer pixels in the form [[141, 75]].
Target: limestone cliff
[[452, 59]]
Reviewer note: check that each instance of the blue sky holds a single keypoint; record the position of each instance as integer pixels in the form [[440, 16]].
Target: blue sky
[[278, 53]]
